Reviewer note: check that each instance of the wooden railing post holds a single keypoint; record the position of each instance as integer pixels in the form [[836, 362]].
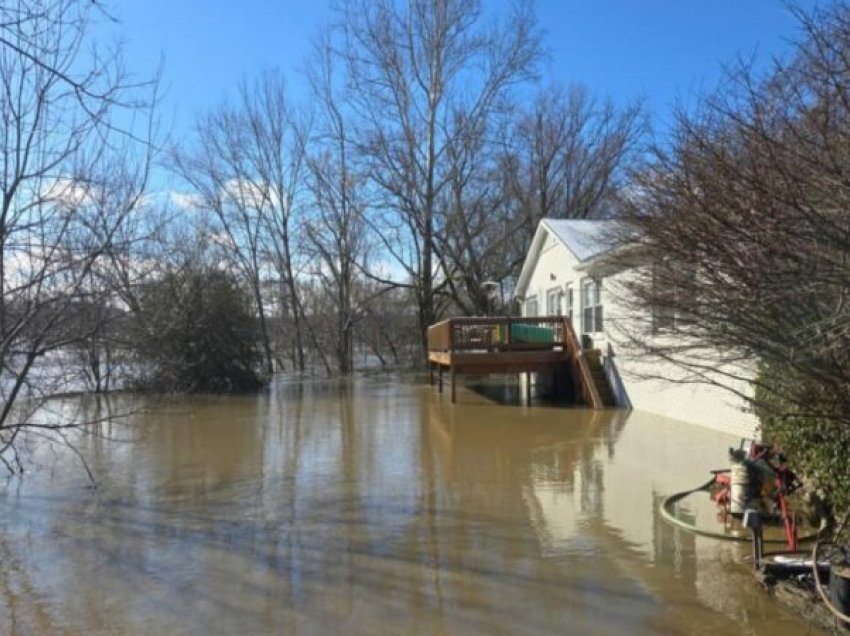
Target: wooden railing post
[[565, 334], [593, 398], [451, 325], [584, 377], [508, 334]]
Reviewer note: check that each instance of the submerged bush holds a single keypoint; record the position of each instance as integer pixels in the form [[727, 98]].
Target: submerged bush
[[817, 446], [196, 332]]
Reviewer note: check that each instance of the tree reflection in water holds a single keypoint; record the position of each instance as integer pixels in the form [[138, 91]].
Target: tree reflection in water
[[373, 506]]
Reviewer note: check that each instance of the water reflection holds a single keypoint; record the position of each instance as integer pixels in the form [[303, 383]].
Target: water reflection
[[373, 506]]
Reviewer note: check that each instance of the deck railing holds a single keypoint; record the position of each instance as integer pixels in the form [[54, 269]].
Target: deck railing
[[504, 334], [499, 333]]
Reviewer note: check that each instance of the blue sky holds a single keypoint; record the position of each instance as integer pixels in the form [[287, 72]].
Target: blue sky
[[661, 50]]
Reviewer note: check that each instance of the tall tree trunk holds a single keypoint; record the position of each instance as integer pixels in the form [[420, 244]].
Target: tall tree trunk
[[268, 354]]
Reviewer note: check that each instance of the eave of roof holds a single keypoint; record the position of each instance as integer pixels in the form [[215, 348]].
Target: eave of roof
[[587, 240]]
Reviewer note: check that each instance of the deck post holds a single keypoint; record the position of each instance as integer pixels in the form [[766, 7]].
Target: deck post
[[440, 378], [528, 388], [454, 398]]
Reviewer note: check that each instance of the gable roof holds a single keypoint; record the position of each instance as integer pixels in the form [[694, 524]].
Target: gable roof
[[586, 239]]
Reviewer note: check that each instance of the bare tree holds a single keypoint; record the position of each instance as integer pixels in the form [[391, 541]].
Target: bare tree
[[387, 329], [131, 259], [478, 225], [420, 74], [246, 170], [336, 231], [64, 148], [568, 155], [743, 228]]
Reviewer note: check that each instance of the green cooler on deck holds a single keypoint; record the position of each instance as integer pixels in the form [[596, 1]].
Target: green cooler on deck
[[525, 334]]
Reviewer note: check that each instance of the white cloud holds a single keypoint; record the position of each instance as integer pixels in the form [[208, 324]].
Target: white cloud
[[250, 193], [68, 191], [184, 200]]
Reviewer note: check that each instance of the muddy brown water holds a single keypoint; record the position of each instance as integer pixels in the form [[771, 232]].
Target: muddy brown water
[[373, 507]]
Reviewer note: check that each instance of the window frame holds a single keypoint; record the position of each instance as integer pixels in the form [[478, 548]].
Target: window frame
[[556, 293], [592, 313], [568, 302]]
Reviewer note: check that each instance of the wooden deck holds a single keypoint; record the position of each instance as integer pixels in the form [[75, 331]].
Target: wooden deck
[[478, 346]]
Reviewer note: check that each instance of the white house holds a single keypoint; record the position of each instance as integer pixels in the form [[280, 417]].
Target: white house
[[564, 274]]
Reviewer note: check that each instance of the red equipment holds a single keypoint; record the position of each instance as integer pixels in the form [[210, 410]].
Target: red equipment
[[770, 482]]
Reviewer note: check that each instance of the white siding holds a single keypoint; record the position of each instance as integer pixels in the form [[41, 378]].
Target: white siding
[[700, 404], [555, 269]]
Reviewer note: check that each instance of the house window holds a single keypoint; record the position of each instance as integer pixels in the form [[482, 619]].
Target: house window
[[531, 306], [568, 298], [591, 306], [553, 302]]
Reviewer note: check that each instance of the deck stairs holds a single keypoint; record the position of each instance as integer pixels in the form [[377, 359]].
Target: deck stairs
[[593, 357]]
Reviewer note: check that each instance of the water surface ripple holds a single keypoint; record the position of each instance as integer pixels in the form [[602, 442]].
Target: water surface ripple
[[373, 507]]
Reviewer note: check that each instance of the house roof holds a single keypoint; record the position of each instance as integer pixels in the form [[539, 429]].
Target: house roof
[[586, 239]]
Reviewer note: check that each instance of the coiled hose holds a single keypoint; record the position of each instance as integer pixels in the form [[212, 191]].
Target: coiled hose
[[668, 515], [835, 611], [815, 551], [666, 510]]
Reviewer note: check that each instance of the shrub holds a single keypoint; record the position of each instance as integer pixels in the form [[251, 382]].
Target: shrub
[[196, 332], [817, 446]]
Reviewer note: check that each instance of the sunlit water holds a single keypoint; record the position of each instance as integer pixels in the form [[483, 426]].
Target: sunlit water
[[373, 507]]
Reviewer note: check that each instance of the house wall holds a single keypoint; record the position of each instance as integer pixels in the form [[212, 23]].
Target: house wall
[[672, 396], [701, 404], [555, 269]]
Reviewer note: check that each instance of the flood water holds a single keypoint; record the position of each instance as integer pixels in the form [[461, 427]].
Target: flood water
[[373, 507]]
